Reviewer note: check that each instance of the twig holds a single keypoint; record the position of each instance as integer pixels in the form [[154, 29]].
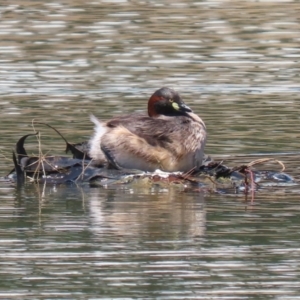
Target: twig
[[263, 160]]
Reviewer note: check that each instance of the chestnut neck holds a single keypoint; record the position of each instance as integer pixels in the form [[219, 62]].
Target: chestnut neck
[[151, 106]]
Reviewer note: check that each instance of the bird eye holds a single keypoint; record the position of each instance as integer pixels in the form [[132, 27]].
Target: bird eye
[[171, 100]]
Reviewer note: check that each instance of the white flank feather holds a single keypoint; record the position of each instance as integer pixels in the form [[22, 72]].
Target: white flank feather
[[94, 142]]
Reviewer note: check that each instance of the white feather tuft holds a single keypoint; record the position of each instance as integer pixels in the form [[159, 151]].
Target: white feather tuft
[[95, 151]]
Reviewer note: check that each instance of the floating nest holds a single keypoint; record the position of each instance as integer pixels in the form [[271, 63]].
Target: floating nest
[[78, 168]]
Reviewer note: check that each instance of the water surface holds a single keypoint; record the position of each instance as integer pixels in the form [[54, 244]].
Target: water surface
[[236, 64]]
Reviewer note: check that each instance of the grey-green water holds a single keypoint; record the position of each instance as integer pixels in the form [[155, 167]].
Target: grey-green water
[[236, 63]]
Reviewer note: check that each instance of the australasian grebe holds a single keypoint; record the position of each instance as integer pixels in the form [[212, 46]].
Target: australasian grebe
[[170, 138]]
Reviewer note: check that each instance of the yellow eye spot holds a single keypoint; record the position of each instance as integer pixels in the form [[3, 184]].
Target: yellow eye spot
[[175, 106], [171, 100]]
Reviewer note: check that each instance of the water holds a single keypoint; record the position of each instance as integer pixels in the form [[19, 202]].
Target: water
[[236, 64]]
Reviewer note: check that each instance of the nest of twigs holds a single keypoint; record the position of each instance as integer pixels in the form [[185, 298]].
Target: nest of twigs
[[79, 168]]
